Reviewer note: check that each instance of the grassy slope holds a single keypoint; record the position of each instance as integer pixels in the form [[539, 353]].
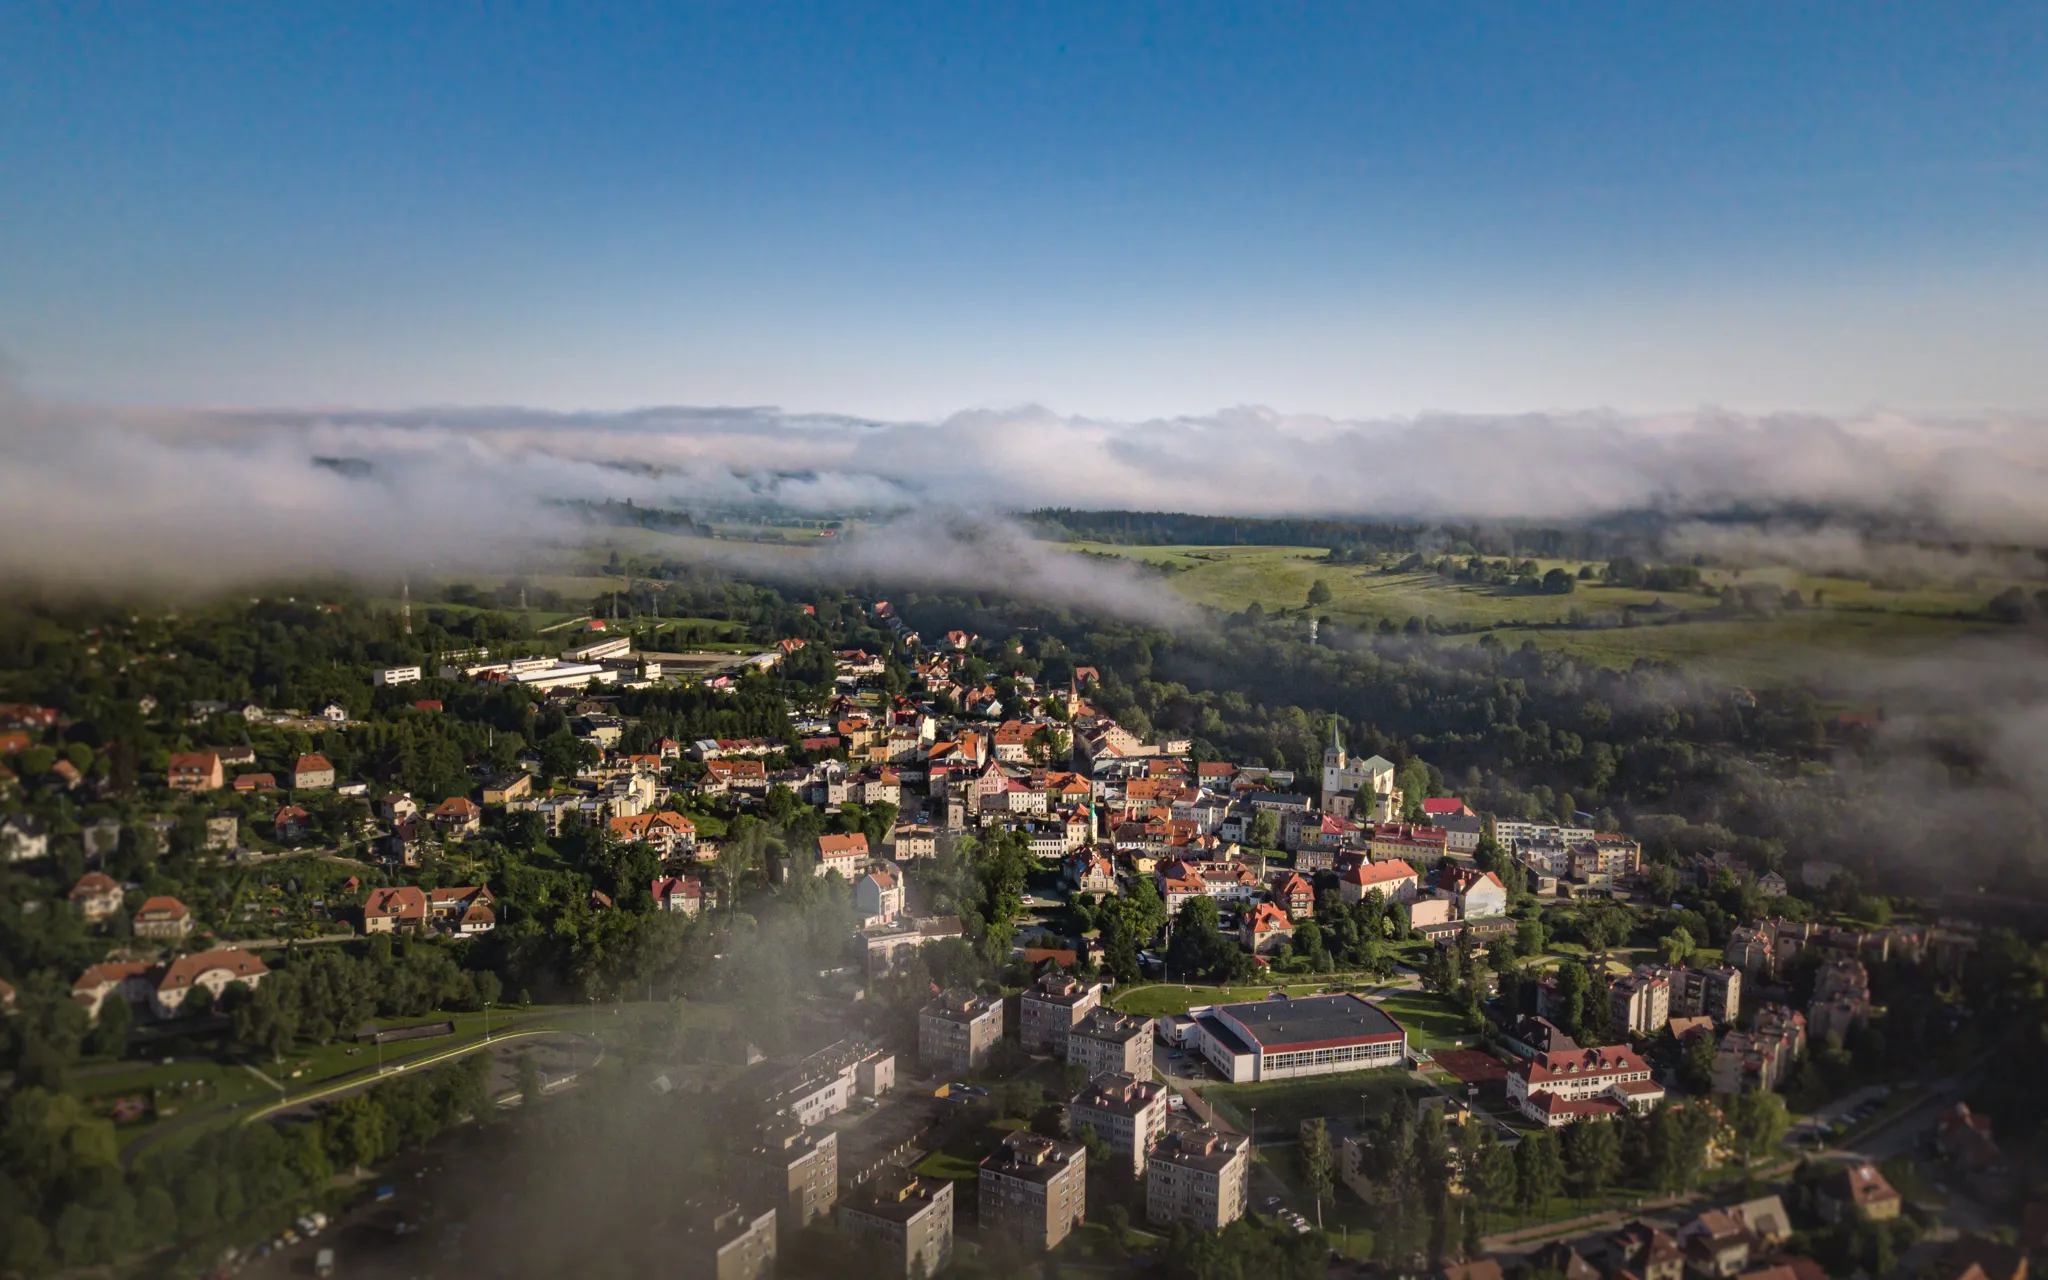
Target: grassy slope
[[1858, 618]]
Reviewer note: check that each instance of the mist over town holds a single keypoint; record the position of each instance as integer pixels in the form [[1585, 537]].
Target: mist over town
[[1308, 643]]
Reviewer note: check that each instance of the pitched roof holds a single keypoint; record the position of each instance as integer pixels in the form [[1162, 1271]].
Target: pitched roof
[[312, 762], [93, 882], [186, 970], [162, 907], [842, 846], [1377, 873]]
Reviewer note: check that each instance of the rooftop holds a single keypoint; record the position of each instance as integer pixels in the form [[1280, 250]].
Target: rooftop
[[1279, 1025]]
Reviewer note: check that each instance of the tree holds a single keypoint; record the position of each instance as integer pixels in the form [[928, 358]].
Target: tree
[[1539, 1171], [1265, 832], [1317, 1167], [1678, 946], [1756, 1123], [528, 1081], [1493, 1174], [1592, 1155], [1318, 593]]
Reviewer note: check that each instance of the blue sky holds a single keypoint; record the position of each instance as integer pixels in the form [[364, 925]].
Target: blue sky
[[1121, 210]]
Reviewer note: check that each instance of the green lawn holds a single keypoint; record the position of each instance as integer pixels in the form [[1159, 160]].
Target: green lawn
[[1283, 1104], [960, 1159], [1153, 1002], [1857, 618], [1432, 1024]]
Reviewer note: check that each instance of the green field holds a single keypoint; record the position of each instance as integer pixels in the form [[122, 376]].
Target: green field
[[1156, 1001], [1283, 1104], [1431, 1023], [1857, 618]]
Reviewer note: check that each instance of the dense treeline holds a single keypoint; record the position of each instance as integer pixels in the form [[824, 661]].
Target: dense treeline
[[66, 1201], [1176, 528]]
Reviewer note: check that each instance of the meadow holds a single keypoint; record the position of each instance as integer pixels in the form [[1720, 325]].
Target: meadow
[[1852, 616]]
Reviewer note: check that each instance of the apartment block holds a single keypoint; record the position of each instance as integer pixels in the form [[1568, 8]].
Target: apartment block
[[796, 1170], [1034, 1189], [908, 1217], [1126, 1112], [1049, 1007], [1706, 993], [1197, 1176], [726, 1242], [958, 1031], [1639, 1003], [1107, 1041]]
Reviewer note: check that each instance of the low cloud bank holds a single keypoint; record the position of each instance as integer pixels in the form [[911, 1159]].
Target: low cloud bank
[[114, 499]]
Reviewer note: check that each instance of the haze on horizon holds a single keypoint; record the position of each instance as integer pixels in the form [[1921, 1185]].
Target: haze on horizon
[[1116, 212]]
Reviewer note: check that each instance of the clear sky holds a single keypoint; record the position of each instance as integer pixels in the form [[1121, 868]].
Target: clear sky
[[903, 209]]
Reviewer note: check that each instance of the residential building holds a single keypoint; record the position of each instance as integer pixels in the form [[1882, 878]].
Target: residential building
[[195, 771], [1091, 873], [507, 787], [195, 982], [1714, 993], [842, 856], [1761, 1057], [1555, 1089], [1716, 1244], [397, 907], [1049, 1007], [162, 917], [1264, 929], [24, 838], [1295, 896], [1395, 881], [1197, 1176], [457, 817], [1639, 1003], [913, 840], [1034, 1189], [1462, 831], [312, 772], [1646, 1252], [464, 909], [1480, 894], [1841, 998], [958, 1031], [886, 946], [394, 675], [684, 894], [1126, 1111], [797, 1169], [96, 896], [1109, 1042], [909, 1217], [722, 1241], [1313, 1035], [825, 1083], [1856, 1189], [878, 896]]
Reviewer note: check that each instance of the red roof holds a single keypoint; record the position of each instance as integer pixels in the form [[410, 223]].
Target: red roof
[[843, 846], [186, 969], [312, 762], [1443, 805], [1370, 874], [399, 902], [162, 908]]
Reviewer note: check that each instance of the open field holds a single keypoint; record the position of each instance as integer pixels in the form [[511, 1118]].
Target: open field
[[1855, 617], [1283, 1104]]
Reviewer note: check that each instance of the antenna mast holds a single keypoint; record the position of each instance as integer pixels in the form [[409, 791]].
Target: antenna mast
[[405, 603]]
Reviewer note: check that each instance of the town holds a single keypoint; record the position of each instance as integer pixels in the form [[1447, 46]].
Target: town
[[1047, 978]]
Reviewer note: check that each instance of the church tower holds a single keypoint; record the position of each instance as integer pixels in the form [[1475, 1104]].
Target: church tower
[[1333, 765]]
